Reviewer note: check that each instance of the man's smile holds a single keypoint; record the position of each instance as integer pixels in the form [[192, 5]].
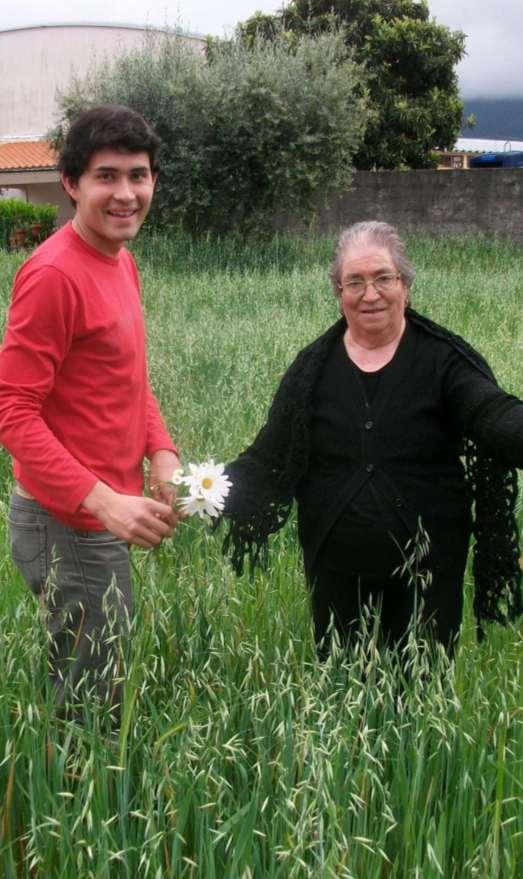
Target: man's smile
[[122, 214]]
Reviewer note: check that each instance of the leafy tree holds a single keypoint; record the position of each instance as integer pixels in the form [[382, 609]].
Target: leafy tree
[[249, 133], [410, 61]]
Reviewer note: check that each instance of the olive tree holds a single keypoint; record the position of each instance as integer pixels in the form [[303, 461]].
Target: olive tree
[[247, 132]]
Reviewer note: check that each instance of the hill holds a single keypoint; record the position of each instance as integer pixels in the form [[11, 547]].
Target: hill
[[496, 118]]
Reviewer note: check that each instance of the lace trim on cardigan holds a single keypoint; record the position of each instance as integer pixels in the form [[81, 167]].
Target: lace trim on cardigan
[[493, 488]]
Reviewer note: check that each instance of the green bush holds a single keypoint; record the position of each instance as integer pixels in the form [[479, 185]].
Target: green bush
[[248, 133], [16, 214], [13, 214]]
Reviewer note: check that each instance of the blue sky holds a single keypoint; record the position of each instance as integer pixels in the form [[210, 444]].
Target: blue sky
[[495, 30]]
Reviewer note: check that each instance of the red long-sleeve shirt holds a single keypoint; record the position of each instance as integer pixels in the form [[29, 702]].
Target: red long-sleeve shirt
[[75, 402]]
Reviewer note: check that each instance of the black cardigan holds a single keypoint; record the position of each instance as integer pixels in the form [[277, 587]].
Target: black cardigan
[[436, 391]]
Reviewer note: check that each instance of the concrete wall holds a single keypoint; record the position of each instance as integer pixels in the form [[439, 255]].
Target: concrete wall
[[35, 61], [489, 201], [458, 202]]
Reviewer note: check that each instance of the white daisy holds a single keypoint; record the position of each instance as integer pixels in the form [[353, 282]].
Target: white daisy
[[178, 478], [208, 487], [194, 504], [209, 482]]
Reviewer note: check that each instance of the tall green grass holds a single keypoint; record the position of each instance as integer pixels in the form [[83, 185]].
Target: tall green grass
[[239, 755]]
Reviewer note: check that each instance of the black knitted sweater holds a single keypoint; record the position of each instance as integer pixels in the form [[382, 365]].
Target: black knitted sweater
[[266, 477]]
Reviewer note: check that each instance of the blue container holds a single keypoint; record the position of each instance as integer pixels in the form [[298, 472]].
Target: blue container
[[498, 160]]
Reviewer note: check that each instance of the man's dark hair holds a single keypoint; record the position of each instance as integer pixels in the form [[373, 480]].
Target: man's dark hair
[[108, 126]]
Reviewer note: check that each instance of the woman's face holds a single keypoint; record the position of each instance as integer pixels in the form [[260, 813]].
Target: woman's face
[[370, 312]]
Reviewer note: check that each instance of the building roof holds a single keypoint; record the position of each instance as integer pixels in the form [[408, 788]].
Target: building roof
[[106, 24], [27, 155], [487, 145]]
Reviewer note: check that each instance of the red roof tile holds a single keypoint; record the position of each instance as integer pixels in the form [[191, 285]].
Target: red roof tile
[[34, 155]]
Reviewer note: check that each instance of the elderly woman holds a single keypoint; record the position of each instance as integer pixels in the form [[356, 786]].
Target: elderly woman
[[388, 431]]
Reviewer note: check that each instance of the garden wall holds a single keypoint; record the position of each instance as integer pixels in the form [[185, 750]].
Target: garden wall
[[489, 201]]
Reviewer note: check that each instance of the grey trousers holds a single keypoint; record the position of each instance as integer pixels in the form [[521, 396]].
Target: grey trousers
[[83, 581]]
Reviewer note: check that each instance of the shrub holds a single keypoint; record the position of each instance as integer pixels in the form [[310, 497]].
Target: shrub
[[37, 221], [247, 134]]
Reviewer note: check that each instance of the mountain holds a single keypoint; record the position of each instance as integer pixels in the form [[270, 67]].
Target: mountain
[[496, 118]]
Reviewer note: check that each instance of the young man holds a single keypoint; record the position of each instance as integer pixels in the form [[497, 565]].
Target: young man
[[76, 410]]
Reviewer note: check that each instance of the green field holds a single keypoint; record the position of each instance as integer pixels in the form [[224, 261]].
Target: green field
[[241, 756]]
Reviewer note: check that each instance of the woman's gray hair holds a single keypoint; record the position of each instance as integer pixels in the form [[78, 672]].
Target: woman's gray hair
[[378, 233]]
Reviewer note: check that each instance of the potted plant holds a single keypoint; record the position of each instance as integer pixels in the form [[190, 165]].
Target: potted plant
[[20, 236], [36, 230]]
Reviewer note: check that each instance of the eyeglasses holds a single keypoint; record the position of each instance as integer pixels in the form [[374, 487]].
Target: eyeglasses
[[382, 284]]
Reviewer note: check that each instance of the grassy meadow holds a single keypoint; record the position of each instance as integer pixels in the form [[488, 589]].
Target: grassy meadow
[[240, 756]]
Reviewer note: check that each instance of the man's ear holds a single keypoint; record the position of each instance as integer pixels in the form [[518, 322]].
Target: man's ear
[[70, 186]]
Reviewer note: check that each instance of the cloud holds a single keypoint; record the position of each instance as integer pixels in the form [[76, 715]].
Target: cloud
[[492, 66]]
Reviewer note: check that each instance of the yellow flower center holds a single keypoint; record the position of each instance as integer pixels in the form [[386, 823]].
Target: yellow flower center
[[207, 482]]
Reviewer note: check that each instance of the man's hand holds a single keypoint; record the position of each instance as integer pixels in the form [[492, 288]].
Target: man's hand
[[163, 464], [139, 520]]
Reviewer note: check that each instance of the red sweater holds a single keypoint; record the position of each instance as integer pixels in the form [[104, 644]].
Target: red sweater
[[75, 401]]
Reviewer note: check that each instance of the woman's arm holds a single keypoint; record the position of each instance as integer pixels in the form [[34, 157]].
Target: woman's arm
[[483, 411], [264, 476]]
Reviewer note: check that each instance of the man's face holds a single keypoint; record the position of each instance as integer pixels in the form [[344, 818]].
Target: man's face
[[112, 197]]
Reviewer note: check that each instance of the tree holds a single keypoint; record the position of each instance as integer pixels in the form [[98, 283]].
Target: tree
[[410, 61], [249, 133]]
